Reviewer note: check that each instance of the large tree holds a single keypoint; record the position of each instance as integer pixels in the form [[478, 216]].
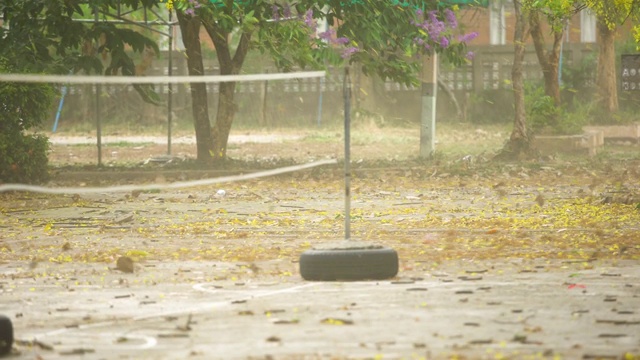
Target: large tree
[[556, 14], [519, 143], [384, 37], [610, 15]]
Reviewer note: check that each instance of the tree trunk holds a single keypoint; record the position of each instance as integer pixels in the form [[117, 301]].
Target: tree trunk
[[190, 28], [519, 142], [606, 73], [549, 60], [228, 66]]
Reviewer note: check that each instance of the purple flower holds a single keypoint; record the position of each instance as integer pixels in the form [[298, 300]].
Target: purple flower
[[450, 16], [433, 26], [434, 29], [275, 10], [347, 52], [467, 37], [342, 41], [308, 18], [419, 13], [470, 55], [444, 41], [326, 35], [189, 11], [433, 16]]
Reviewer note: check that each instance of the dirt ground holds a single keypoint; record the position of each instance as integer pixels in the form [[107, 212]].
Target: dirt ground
[[517, 261]]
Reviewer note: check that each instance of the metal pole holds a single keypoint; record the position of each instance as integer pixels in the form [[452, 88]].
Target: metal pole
[[98, 90], [347, 154], [428, 118], [264, 89], [170, 88], [322, 26], [62, 96], [319, 117]]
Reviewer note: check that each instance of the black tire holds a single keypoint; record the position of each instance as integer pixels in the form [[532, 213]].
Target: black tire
[[349, 264], [6, 335]]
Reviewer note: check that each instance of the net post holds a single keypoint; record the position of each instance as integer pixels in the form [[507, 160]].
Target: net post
[[264, 89], [98, 90], [347, 153], [170, 86]]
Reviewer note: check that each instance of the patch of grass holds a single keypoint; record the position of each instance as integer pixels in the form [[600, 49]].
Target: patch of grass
[[323, 137]]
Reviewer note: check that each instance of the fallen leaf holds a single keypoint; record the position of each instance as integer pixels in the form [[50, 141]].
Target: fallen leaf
[[576, 286], [125, 264], [336, 321]]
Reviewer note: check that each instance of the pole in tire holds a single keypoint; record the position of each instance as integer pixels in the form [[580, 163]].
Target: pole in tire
[[346, 89], [348, 260]]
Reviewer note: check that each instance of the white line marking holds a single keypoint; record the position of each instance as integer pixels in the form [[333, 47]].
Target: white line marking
[[175, 185], [99, 79], [149, 342], [201, 287]]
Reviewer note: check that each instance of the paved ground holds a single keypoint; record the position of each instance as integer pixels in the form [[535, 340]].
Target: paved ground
[[217, 276], [470, 310], [514, 262]]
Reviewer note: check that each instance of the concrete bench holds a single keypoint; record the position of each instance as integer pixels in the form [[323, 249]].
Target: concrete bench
[[618, 132], [589, 142]]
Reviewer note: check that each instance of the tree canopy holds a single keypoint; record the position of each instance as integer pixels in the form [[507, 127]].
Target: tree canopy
[[386, 39], [44, 36]]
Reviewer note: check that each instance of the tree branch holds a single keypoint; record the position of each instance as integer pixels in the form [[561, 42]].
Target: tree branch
[[538, 39], [241, 51], [221, 43]]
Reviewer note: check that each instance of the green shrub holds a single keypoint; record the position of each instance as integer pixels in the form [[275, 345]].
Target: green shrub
[[545, 117], [23, 155], [23, 158], [572, 121], [542, 113]]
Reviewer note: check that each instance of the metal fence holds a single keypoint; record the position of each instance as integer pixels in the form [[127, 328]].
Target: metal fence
[[300, 99]]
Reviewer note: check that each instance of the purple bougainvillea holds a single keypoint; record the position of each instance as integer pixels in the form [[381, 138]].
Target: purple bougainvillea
[[327, 35], [468, 37], [308, 19], [450, 16], [347, 52], [437, 30], [444, 42]]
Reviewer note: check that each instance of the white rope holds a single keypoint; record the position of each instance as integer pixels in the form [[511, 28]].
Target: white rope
[[175, 185], [81, 79]]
